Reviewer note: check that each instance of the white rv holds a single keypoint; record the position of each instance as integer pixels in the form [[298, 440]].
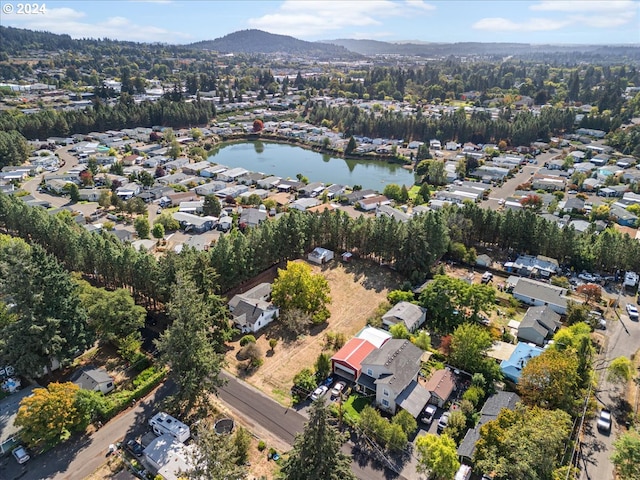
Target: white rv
[[165, 423]]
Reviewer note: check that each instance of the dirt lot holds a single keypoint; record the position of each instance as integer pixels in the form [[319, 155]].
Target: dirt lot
[[357, 288]]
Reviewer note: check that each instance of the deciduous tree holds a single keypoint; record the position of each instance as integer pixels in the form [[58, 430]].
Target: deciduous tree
[[437, 456], [297, 287], [626, 455], [620, 370], [50, 415]]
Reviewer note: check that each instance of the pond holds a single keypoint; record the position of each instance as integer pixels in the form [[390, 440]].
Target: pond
[[287, 161]]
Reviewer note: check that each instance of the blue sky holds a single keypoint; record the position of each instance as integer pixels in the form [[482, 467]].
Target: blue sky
[[178, 21]]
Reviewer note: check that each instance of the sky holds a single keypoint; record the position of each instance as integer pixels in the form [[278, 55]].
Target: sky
[[446, 21]]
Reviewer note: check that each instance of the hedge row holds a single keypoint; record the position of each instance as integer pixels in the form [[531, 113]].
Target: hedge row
[[123, 399]]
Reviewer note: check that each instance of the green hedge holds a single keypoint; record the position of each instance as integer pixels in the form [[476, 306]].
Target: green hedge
[[118, 401]]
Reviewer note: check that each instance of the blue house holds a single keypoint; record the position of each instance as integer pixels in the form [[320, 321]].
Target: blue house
[[512, 367]]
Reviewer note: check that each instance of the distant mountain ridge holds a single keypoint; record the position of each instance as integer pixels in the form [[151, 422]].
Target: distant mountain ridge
[[258, 41], [376, 47]]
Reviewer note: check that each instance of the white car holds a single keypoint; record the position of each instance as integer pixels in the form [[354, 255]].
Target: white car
[[428, 414], [20, 454], [632, 311], [337, 389], [604, 421], [318, 392], [587, 277]]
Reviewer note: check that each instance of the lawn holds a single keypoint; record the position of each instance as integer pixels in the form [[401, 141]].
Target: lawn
[[354, 405], [357, 288]]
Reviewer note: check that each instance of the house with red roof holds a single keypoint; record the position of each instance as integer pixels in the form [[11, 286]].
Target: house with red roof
[[347, 361]]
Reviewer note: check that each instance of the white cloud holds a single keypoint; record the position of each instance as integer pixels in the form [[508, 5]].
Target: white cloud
[[314, 17], [567, 13], [497, 24], [69, 21], [571, 6]]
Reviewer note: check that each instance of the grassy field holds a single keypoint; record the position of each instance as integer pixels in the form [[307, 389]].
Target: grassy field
[[357, 288]]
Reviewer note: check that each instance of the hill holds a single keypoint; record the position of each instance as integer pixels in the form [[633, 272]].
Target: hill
[[525, 50], [257, 41]]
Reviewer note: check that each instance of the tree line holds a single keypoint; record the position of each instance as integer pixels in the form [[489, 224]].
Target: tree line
[[412, 248], [101, 117], [519, 128]]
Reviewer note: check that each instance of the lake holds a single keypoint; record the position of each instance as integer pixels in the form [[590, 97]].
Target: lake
[[287, 161]]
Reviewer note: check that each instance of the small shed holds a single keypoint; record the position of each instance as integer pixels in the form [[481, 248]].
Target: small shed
[[347, 256], [320, 255], [93, 379]]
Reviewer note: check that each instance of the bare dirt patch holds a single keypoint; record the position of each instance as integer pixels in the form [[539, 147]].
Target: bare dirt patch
[[357, 288]]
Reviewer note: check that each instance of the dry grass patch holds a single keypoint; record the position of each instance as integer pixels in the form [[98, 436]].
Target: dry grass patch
[[357, 288]]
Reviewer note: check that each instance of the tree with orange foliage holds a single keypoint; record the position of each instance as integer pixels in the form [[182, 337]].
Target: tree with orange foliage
[[258, 125], [591, 292]]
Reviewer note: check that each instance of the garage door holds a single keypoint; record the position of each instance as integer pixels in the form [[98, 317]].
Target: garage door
[[346, 372]]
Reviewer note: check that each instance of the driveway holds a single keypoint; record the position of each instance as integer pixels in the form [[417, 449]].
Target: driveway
[[596, 448], [9, 411], [82, 455]]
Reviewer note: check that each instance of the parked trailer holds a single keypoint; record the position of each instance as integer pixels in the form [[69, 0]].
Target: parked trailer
[[162, 423]]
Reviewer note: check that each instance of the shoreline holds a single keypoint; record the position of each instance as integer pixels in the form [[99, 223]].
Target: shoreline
[[254, 137]]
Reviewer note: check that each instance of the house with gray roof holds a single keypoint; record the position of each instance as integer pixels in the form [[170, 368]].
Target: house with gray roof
[[252, 310], [538, 325], [410, 314], [94, 379], [536, 293], [490, 411], [390, 370]]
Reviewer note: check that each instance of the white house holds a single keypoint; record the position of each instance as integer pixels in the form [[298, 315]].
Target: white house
[[94, 379], [411, 315], [253, 309], [539, 294], [320, 255]]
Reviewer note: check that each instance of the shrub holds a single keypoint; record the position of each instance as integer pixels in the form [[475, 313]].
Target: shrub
[[474, 395], [247, 339], [261, 445]]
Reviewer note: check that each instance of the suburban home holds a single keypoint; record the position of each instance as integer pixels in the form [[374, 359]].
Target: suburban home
[[410, 314], [167, 457], [441, 385], [346, 362], [538, 325], [512, 368], [232, 174], [195, 206], [252, 217], [312, 189], [390, 370], [94, 379], [194, 223], [320, 255], [371, 203], [394, 213], [533, 266], [537, 293], [253, 309], [622, 216], [489, 412], [91, 194]]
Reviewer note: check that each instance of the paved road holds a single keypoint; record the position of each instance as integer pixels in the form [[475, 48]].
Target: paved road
[[508, 188], [597, 448], [260, 411], [78, 458]]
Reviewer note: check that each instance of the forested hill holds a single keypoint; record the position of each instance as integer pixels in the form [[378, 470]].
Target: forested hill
[[374, 47], [257, 41], [14, 41]]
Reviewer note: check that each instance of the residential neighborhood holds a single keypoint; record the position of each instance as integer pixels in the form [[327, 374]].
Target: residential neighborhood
[[261, 257]]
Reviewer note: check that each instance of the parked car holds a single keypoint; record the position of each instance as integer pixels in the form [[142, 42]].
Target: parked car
[[632, 311], [604, 421], [427, 414], [487, 277], [587, 277], [134, 448], [443, 422], [318, 392], [20, 454], [337, 389]]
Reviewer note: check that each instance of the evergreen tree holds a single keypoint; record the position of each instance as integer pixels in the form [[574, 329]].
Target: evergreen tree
[[316, 452], [194, 342]]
